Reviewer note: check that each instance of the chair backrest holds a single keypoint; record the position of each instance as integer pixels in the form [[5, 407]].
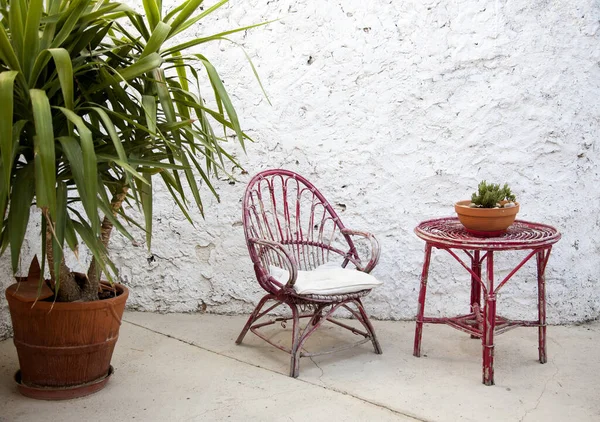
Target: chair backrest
[[284, 207]]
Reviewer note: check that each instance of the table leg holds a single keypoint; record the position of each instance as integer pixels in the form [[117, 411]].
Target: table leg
[[475, 285], [542, 259], [489, 323], [421, 307]]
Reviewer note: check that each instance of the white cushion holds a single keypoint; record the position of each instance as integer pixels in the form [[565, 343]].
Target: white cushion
[[327, 280]]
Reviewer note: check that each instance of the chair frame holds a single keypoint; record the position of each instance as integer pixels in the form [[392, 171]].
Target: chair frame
[[290, 246]]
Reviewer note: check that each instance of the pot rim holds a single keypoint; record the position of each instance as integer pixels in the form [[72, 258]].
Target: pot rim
[[42, 304], [465, 204]]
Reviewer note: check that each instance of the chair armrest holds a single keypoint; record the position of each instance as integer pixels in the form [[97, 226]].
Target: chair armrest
[[375, 251], [283, 254]]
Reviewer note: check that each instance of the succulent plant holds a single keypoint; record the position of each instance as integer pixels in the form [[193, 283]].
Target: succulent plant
[[492, 195]]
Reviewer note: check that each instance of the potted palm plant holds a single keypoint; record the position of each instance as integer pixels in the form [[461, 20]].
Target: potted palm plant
[[97, 101], [491, 210]]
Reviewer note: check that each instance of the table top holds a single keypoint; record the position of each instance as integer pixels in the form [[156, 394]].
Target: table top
[[450, 233]]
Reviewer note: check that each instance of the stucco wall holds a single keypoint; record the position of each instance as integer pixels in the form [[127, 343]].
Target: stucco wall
[[396, 110]]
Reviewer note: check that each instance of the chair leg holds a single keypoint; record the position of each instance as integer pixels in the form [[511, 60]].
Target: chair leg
[[368, 326], [252, 318], [295, 351], [299, 336]]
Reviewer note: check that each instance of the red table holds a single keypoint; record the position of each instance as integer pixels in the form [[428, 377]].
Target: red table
[[450, 235]]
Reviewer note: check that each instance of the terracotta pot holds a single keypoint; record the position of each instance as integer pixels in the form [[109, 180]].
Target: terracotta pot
[[485, 220], [64, 348]]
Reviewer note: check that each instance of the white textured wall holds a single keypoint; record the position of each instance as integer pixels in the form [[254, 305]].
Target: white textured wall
[[396, 109]]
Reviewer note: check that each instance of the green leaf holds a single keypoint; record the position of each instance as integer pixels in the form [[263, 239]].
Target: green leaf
[[173, 12], [31, 42], [59, 227], [217, 84], [4, 193], [164, 97], [202, 15], [146, 198], [20, 206], [171, 126], [139, 23], [197, 41], [106, 209], [148, 164], [124, 165], [204, 177], [6, 132], [90, 38], [175, 192], [68, 20], [44, 234], [189, 175], [144, 65], [169, 110], [153, 13], [158, 37], [90, 167], [16, 24], [124, 118], [130, 220], [4, 239], [106, 11], [7, 54], [96, 248], [180, 20], [179, 93], [72, 151], [112, 132], [71, 237], [262, 88], [149, 105], [53, 7], [65, 75], [45, 175]]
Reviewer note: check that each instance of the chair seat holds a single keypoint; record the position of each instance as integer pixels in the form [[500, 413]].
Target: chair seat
[[325, 280]]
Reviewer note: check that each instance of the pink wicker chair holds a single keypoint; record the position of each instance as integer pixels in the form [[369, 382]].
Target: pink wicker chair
[[294, 238]]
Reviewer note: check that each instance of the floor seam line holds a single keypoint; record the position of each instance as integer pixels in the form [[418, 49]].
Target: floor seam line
[[328, 388]]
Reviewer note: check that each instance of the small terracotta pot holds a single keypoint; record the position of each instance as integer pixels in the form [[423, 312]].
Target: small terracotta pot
[[485, 220]]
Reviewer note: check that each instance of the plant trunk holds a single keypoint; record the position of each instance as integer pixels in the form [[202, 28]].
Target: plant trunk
[[76, 287], [94, 271], [69, 287]]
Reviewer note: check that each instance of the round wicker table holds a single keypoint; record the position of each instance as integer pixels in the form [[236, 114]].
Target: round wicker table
[[482, 322]]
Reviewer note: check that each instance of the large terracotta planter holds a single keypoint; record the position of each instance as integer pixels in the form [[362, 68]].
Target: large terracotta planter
[[64, 349], [485, 221]]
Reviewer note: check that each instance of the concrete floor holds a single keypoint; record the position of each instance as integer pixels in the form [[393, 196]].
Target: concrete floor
[[182, 367]]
